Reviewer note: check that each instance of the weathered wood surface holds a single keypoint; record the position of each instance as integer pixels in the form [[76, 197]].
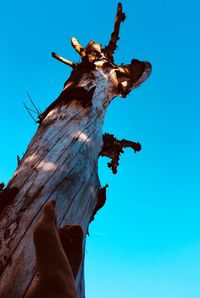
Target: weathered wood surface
[[61, 161]]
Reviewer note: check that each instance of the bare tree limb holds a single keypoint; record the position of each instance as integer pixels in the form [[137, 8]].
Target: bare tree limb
[[28, 110], [78, 47], [37, 110], [63, 60], [120, 17]]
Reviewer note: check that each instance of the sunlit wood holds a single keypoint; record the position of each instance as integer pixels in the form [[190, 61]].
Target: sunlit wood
[[78, 47], [61, 161], [63, 60]]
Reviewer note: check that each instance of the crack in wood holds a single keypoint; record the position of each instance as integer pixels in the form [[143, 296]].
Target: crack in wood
[[44, 203]]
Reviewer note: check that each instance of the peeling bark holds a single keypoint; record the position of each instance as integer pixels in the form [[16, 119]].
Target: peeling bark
[[2, 185], [112, 148], [101, 199], [62, 159], [7, 196]]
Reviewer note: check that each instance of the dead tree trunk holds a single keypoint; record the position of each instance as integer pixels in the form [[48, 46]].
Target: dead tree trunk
[[61, 160]]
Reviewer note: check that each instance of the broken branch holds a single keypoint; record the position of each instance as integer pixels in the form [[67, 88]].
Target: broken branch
[[63, 60], [37, 110], [120, 17], [78, 47], [28, 110]]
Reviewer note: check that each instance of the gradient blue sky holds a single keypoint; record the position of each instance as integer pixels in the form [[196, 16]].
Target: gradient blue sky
[[145, 242]]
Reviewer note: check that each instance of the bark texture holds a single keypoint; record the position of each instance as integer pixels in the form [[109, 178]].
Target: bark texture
[[61, 160]]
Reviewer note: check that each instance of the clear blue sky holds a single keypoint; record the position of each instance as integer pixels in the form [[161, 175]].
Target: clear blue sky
[[145, 242]]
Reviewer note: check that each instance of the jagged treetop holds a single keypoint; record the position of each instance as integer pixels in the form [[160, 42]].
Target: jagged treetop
[[129, 76], [96, 63]]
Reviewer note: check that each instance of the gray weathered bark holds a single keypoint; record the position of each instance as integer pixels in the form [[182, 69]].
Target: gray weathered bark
[[61, 160]]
